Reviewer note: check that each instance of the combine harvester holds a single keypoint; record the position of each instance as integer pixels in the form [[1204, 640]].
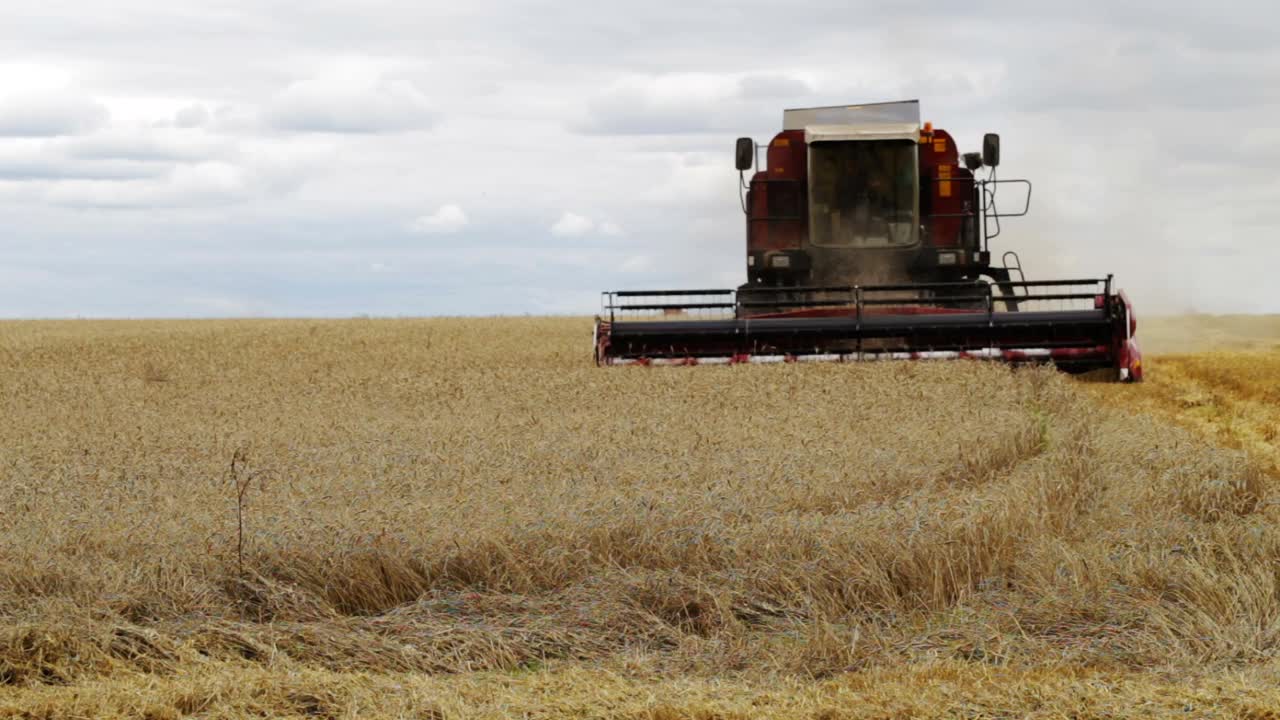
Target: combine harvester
[[867, 239]]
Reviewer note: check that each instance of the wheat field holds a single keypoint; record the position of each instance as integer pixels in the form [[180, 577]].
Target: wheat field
[[463, 518]]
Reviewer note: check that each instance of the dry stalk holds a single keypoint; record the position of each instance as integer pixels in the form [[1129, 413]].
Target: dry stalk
[[241, 477]]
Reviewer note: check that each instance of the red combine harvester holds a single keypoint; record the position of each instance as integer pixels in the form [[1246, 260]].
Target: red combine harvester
[[868, 238]]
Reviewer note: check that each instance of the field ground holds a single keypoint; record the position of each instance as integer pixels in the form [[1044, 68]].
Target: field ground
[[463, 518]]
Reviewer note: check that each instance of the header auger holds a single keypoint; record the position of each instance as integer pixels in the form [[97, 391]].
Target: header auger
[[867, 239]]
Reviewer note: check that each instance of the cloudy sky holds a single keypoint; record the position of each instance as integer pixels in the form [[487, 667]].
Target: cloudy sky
[[417, 158]]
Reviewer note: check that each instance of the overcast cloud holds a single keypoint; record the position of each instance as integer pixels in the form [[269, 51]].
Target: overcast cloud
[[406, 158]]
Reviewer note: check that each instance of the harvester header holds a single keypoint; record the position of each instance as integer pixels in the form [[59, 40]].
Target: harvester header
[[868, 237]]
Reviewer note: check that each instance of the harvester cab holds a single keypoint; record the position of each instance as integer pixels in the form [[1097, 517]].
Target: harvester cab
[[868, 237]]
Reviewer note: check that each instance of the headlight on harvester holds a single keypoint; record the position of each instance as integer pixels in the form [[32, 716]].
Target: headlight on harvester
[[780, 261], [946, 258]]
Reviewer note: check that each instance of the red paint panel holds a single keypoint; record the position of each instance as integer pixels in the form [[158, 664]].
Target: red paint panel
[[778, 211], [947, 190]]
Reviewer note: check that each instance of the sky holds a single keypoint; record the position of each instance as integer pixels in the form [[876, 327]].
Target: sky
[[183, 159]]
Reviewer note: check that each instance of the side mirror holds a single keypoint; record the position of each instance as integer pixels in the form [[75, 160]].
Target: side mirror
[[745, 155], [973, 161], [991, 150]]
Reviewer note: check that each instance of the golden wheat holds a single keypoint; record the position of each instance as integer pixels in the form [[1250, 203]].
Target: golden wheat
[[1231, 397], [455, 518]]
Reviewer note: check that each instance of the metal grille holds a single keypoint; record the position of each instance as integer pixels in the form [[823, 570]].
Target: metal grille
[[981, 297], [1051, 295], [669, 304]]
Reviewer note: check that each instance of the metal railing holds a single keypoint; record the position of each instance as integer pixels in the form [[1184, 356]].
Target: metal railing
[[855, 300]]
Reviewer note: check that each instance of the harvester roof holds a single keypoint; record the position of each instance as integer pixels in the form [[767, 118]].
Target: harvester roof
[[900, 113], [877, 131]]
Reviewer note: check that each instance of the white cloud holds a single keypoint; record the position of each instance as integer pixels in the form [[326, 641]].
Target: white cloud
[[145, 145], [445, 220], [34, 77], [236, 119], [773, 86], [637, 264], [149, 167], [572, 225], [50, 114], [656, 104], [31, 161], [203, 184], [692, 102], [351, 100], [192, 116]]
